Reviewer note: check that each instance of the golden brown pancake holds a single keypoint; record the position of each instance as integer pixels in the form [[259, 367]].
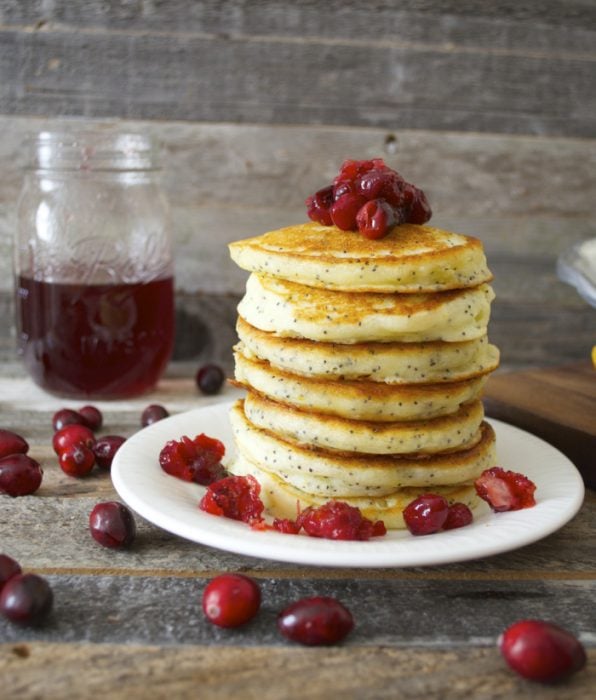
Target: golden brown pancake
[[393, 363], [294, 310], [338, 474], [442, 434], [356, 400], [409, 259], [284, 501]]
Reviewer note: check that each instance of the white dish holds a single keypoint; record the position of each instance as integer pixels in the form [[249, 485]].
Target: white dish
[[172, 504]]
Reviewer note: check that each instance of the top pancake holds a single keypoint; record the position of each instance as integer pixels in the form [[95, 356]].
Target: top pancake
[[409, 259]]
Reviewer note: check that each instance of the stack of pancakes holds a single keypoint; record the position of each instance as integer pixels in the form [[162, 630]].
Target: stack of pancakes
[[364, 361]]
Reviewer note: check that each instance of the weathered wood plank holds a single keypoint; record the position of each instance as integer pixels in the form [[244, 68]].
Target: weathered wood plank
[[406, 613], [277, 80], [527, 198], [56, 671], [503, 25], [53, 535]]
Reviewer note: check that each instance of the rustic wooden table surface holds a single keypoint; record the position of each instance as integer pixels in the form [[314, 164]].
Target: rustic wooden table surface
[[129, 623]]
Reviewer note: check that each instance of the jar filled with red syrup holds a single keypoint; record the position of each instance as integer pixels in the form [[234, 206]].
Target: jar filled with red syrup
[[93, 265]]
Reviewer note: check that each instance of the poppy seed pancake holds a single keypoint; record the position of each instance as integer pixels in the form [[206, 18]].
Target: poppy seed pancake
[[409, 259]]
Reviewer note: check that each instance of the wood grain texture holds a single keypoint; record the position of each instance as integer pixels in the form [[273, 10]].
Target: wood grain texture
[[435, 67], [499, 188], [56, 671], [557, 404], [129, 622]]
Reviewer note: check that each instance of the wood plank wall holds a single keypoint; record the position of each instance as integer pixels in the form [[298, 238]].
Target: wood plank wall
[[489, 106]]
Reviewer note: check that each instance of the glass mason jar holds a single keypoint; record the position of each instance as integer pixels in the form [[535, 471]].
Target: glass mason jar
[[93, 266]]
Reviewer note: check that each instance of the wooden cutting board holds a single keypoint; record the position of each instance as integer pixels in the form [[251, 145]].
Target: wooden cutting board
[[557, 404]]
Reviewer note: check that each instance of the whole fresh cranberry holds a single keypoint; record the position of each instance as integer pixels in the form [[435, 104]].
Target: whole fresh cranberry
[[541, 651], [197, 460], [315, 621], [112, 525], [66, 416], [375, 218], [8, 568], [231, 600], [152, 414], [105, 449], [19, 475], [426, 514], [505, 490], [92, 417], [12, 443], [71, 436], [26, 599], [345, 209], [458, 515], [419, 211], [210, 379], [235, 497], [336, 520], [77, 460], [317, 206]]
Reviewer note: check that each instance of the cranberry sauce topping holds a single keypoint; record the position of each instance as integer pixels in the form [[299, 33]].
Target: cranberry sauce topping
[[505, 490], [336, 520], [235, 497], [197, 460], [426, 514], [370, 197]]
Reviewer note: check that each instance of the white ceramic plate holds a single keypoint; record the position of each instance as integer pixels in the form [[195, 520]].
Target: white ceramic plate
[[172, 504]]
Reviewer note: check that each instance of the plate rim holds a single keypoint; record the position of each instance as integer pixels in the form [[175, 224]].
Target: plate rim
[[387, 552]]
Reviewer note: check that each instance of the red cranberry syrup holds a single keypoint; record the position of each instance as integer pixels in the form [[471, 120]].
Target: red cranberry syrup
[[104, 340]]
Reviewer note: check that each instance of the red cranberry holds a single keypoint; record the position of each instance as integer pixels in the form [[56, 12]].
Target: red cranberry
[[351, 170], [72, 435], [11, 443], [375, 219], [541, 651], [426, 514], [66, 416], [458, 515], [112, 525], [231, 600], [19, 475], [336, 520], [235, 497], [77, 460], [315, 621], [317, 206], [505, 490], [8, 568], [288, 527], [345, 209], [152, 414], [26, 599], [92, 417], [419, 209], [210, 379], [197, 460], [105, 450]]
